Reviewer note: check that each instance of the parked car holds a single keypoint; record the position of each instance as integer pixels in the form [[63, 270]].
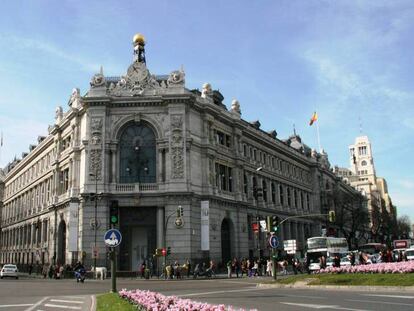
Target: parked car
[[9, 270], [409, 253]]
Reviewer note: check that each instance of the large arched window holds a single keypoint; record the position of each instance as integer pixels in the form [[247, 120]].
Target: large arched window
[[137, 154]]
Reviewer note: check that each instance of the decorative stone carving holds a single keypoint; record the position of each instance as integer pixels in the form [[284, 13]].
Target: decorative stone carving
[[98, 80], [96, 131], [75, 100], [177, 147], [136, 81], [235, 106], [176, 122], [176, 78], [58, 114], [207, 90], [96, 125], [95, 163]]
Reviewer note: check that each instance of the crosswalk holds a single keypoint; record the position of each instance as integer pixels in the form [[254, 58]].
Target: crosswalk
[[82, 303]]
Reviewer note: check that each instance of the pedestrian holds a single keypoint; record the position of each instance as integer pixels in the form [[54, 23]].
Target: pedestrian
[[229, 264], [142, 269], [30, 269], [236, 266], [255, 269], [188, 265], [244, 267], [293, 263], [269, 268]]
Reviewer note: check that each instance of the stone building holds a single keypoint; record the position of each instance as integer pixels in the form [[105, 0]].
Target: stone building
[[149, 146], [363, 177]]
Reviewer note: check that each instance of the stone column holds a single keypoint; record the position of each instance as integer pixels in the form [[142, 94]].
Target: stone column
[[113, 156], [160, 227]]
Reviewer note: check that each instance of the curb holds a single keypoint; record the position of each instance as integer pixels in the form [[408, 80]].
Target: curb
[[341, 287]]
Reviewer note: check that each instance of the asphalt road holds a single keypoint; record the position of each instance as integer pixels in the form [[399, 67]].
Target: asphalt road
[[46, 295]]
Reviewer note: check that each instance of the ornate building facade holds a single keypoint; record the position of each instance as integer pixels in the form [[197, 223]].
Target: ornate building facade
[[363, 177], [148, 145]]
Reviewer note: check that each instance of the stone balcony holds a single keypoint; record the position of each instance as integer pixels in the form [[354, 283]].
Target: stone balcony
[[134, 188]]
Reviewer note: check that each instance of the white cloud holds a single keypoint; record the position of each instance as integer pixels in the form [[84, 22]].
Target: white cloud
[[18, 42], [407, 184]]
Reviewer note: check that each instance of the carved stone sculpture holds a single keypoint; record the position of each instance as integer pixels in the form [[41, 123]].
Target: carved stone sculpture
[[176, 78], [75, 100], [58, 114], [207, 90], [235, 106]]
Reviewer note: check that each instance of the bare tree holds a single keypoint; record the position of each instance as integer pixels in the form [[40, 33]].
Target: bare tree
[[403, 227]]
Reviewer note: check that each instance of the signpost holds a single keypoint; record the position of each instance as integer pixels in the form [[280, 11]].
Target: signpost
[[274, 243], [113, 239]]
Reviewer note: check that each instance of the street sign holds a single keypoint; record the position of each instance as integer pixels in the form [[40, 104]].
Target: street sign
[[112, 237], [273, 241], [263, 227], [290, 246]]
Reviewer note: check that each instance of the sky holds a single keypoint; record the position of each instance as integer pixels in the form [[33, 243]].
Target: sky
[[351, 61]]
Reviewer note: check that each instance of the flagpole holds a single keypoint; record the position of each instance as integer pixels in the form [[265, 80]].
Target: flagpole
[[317, 133]]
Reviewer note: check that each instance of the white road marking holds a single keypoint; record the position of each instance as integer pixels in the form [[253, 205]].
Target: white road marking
[[245, 290], [21, 305], [307, 305], [68, 301], [381, 302], [389, 296], [63, 307], [37, 304], [219, 292], [93, 303]]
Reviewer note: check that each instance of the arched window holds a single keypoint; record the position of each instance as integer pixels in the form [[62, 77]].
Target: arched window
[[137, 154], [363, 163]]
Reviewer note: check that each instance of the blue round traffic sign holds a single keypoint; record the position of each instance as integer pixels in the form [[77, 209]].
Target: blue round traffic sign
[[112, 237], [273, 241]]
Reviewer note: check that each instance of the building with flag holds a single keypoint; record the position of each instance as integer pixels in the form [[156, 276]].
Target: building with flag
[[168, 166]]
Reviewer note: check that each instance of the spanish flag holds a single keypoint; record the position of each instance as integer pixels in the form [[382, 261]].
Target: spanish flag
[[314, 118]]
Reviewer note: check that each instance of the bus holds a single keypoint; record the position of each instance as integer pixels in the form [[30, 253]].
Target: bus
[[324, 246]]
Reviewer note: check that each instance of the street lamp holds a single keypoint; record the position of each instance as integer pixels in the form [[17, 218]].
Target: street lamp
[[95, 175]]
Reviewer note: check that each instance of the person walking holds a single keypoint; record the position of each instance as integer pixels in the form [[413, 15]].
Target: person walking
[[269, 268], [229, 264]]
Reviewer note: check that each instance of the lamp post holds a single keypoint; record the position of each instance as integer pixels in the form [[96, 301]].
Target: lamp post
[[257, 215], [95, 218]]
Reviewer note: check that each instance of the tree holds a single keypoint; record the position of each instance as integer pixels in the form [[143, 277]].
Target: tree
[[351, 216], [403, 227]]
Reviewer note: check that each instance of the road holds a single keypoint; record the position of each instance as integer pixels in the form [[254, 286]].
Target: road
[[46, 295]]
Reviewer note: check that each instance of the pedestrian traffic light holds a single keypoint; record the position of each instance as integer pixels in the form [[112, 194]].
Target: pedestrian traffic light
[[180, 211], [168, 251], [331, 216], [163, 252], [113, 213]]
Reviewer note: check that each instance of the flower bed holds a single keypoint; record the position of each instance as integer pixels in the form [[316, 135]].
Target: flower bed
[[390, 267], [151, 301]]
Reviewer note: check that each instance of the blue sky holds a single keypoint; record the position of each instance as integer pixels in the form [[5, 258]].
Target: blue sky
[[281, 59]]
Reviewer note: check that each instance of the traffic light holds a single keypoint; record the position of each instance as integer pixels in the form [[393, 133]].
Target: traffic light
[[113, 213], [163, 252], [331, 216], [158, 252], [180, 212], [168, 251], [272, 223]]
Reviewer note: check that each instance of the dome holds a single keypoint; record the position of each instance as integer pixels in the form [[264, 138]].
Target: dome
[[138, 38]]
